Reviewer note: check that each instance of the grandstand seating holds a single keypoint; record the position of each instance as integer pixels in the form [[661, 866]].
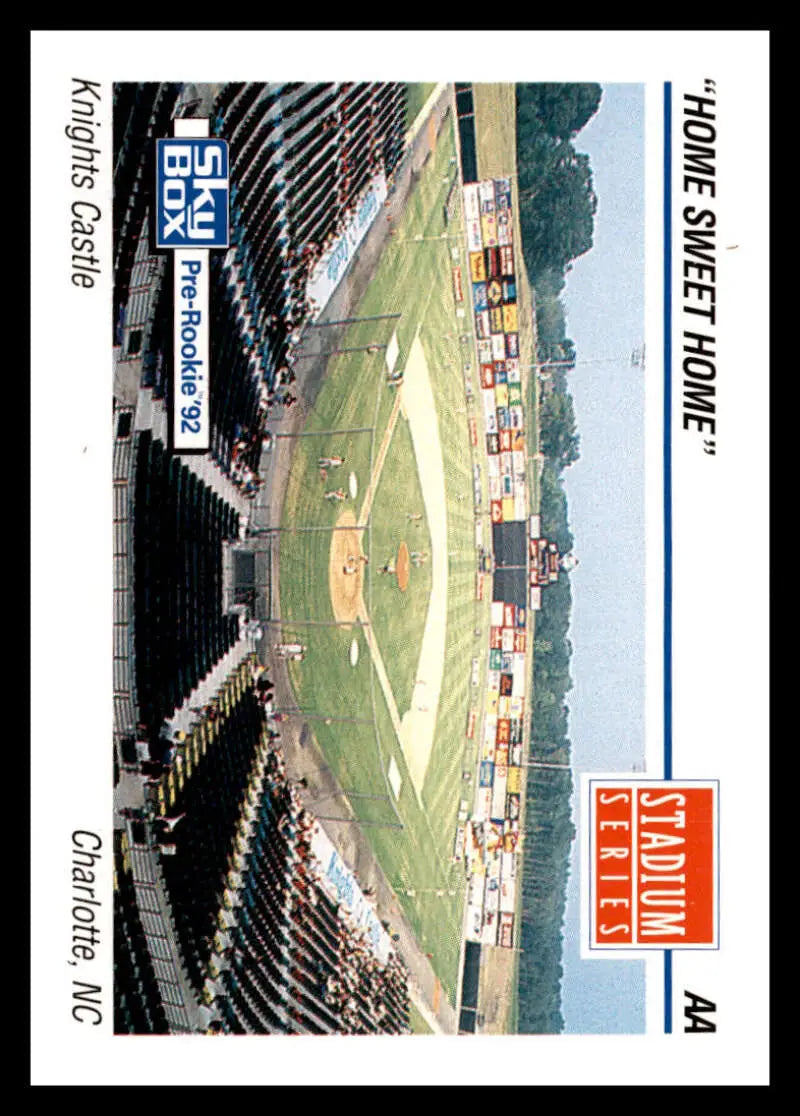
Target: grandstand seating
[[292, 944], [141, 113], [300, 155], [178, 529], [255, 937], [137, 1005], [211, 799], [235, 396], [260, 940]]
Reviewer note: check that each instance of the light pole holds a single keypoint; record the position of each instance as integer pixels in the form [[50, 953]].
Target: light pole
[[637, 361]]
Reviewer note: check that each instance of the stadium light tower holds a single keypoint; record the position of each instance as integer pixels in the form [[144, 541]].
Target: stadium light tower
[[636, 361]]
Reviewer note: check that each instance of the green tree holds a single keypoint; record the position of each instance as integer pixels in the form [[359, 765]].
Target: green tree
[[557, 200], [559, 109], [560, 439], [557, 213]]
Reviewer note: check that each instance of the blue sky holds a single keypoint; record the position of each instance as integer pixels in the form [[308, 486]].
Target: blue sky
[[604, 303]]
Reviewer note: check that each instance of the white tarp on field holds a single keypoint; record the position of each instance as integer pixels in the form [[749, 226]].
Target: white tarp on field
[[392, 351], [395, 778]]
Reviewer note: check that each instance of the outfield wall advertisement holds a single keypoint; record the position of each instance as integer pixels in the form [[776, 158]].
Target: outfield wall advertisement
[[487, 206]]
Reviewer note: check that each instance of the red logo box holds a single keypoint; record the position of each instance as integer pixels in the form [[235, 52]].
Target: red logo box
[[653, 864]]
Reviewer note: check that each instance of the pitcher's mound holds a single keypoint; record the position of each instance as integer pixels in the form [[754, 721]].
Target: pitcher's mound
[[403, 565], [345, 569]]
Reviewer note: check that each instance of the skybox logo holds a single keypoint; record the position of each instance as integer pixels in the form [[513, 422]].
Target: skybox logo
[[191, 193]]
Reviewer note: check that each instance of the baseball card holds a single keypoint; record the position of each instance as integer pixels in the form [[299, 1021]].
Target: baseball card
[[432, 721]]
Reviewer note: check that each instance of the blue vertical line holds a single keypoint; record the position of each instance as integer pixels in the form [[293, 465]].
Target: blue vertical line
[[668, 490]]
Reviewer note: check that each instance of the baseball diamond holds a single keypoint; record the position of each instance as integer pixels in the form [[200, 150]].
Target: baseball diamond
[[307, 643]]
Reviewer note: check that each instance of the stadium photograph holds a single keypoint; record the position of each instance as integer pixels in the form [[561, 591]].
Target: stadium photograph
[[340, 419]]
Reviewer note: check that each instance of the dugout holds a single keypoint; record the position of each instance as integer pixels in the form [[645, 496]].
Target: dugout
[[471, 976]]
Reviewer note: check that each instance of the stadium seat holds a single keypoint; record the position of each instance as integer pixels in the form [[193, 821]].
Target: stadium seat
[[236, 864]]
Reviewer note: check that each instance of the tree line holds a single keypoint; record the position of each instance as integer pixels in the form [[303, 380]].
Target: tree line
[[557, 208]]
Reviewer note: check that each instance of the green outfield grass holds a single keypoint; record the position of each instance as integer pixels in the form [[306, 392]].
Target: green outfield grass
[[413, 277], [495, 129], [398, 619], [418, 1024]]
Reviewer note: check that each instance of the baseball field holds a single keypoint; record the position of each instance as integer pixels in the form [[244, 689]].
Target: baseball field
[[378, 561], [389, 475]]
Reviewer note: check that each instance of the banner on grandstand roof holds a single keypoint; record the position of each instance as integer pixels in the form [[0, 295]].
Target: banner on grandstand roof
[[329, 269]]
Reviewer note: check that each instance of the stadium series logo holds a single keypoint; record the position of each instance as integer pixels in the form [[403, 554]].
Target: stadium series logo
[[192, 193], [653, 878]]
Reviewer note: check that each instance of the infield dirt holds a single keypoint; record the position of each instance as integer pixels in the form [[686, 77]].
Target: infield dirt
[[345, 588], [403, 566]]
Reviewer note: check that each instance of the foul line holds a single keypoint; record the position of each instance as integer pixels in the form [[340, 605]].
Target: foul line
[[377, 468], [363, 615]]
